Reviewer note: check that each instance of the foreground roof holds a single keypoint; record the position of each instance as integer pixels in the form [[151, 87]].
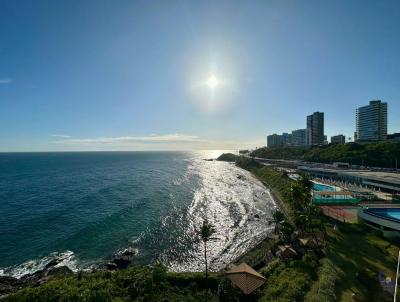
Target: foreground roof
[[245, 277]]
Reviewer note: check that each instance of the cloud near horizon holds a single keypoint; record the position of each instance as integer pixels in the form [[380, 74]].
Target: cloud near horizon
[[61, 136], [5, 81], [174, 141]]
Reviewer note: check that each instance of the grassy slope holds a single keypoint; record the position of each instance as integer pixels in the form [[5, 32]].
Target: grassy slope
[[278, 182], [132, 284], [379, 154], [355, 250], [361, 255]]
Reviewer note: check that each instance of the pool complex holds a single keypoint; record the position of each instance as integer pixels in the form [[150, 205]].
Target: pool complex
[[322, 187], [385, 219], [385, 213], [319, 198]]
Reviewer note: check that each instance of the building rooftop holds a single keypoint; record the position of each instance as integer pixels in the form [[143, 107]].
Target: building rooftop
[[377, 175]]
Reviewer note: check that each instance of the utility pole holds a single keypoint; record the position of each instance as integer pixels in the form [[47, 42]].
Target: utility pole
[[397, 275]]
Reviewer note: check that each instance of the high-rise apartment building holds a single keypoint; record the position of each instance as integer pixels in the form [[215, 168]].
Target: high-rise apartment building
[[371, 121], [338, 139], [315, 128], [276, 140], [273, 140], [299, 137]]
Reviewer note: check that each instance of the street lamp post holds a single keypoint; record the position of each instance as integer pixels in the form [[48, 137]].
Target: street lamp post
[[397, 275]]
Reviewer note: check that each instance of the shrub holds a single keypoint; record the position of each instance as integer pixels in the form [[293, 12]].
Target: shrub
[[271, 268], [186, 279], [133, 284], [328, 277], [286, 281], [228, 292]]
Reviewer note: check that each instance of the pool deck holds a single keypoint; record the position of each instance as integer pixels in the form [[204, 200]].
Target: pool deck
[[386, 223]]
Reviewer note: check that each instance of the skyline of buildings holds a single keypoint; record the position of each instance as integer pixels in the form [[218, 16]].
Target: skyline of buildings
[[371, 125]]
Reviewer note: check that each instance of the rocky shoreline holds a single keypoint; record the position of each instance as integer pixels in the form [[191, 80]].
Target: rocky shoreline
[[9, 284], [121, 260]]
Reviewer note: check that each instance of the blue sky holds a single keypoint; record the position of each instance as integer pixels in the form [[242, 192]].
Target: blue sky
[[130, 75]]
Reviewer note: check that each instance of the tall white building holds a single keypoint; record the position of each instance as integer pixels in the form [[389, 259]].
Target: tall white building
[[371, 121]]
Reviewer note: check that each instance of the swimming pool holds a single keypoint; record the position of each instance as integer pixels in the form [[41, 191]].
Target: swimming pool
[[322, 187], [385, 213], [337, 198], [385, 219]]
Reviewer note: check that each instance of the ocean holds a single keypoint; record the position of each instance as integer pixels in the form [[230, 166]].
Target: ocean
[[83, 207]]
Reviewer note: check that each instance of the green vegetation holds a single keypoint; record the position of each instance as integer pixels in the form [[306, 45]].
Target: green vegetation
[[229, 157], [324, 288], [277, 181], [280, 152], [132, 284], [379, 154], [288, 281], [346, 270], [256, 256], [354, 254], [361, 255]]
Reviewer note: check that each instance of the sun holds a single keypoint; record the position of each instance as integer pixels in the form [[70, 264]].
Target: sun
[[212, 81]]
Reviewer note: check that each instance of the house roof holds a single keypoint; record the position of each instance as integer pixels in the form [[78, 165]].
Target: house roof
[[245, 277]]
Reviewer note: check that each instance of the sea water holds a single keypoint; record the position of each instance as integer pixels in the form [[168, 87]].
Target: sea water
[[83, 207]]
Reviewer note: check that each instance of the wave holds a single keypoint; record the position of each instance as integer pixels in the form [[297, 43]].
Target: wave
[[55, 259], [235, 202]]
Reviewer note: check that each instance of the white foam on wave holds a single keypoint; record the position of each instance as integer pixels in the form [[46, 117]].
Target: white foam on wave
[[66, 258], [236, 203], [128, 251]]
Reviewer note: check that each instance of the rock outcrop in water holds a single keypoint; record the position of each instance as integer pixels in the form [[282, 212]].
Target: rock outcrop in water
[[121, 260], [52, 269], [10, 284]]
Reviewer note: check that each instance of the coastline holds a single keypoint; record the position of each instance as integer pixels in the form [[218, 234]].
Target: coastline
[[58, 266], [266, 242], [324, 271]]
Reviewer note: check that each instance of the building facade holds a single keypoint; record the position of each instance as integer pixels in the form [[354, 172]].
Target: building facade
[[315, 129], [276, 140], [299, 137], [371, 121], [338, 139], [273, 140], [286, 139]]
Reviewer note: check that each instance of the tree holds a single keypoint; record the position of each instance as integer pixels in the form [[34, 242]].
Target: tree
[[206, 231], [278, 217], [311, 218], [286, 231]]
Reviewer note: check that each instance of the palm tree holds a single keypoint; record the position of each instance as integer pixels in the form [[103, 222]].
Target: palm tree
[[278, 217], [207, 230]]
